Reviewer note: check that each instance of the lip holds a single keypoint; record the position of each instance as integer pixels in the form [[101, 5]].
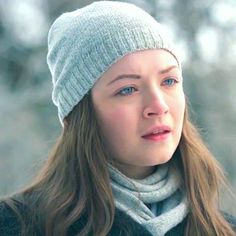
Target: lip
[[156, 129], [164, 134]]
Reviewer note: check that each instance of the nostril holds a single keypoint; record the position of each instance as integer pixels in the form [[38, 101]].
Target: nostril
[[149, 111], [156, 104]]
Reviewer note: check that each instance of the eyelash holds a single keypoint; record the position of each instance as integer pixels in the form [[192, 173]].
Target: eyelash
[[173, 80], [120, 92]]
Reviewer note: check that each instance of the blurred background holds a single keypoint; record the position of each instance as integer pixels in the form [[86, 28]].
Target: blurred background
[[204, 32]]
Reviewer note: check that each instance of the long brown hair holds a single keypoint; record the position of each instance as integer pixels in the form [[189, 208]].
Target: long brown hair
[[75, 184]]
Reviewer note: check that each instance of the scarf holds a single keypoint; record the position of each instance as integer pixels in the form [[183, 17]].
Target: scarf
[[160, 190]]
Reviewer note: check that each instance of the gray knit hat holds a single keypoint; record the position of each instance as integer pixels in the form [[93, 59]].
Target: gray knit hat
[[84, 43]]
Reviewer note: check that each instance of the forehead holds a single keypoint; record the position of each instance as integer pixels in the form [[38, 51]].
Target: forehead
[[142, 60]]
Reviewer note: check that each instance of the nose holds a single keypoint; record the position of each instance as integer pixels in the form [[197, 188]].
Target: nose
[[155, 104]]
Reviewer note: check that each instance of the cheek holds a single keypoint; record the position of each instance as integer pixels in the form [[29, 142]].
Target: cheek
[[116, 122], [176, 104], [178, 108]]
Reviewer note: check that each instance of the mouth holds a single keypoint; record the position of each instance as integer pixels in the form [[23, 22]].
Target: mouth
[[158, 133]]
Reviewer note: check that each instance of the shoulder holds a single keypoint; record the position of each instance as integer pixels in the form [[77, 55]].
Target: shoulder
[[9, 221], [16, 215]]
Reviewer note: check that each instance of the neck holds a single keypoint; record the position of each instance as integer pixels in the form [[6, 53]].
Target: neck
[[135, 172]]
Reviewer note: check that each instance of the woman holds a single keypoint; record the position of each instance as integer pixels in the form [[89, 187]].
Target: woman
[[129, 161]]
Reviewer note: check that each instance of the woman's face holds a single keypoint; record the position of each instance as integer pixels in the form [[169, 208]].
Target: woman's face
[[140, 106]]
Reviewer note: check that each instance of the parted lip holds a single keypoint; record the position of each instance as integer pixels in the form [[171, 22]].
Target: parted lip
[[157, 129]]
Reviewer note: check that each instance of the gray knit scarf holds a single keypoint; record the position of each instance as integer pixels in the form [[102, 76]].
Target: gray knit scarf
[[160, 190]]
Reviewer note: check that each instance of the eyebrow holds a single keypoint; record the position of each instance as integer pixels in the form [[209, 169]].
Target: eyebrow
[[134, 76]]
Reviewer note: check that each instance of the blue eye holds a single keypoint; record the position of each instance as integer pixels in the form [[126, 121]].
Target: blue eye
[[170, 82], [126, 91]]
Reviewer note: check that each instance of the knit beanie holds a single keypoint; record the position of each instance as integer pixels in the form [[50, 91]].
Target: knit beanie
[[84, 43]]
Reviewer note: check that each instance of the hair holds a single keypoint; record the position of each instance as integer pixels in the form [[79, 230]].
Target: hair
[[74, 183]]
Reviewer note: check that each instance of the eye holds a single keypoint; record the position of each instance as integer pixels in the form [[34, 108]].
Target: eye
[[126, 91], [169, 82]]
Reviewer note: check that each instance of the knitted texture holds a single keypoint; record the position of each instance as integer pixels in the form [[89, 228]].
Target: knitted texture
[[161, 188], [84, 43]]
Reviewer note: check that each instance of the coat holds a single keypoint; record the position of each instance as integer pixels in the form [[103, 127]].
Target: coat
[[10, 225]]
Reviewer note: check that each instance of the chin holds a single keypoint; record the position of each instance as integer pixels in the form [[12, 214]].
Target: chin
[[163, 160]]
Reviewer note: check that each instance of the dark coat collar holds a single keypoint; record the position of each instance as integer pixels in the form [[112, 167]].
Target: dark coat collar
[[123, 224]]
